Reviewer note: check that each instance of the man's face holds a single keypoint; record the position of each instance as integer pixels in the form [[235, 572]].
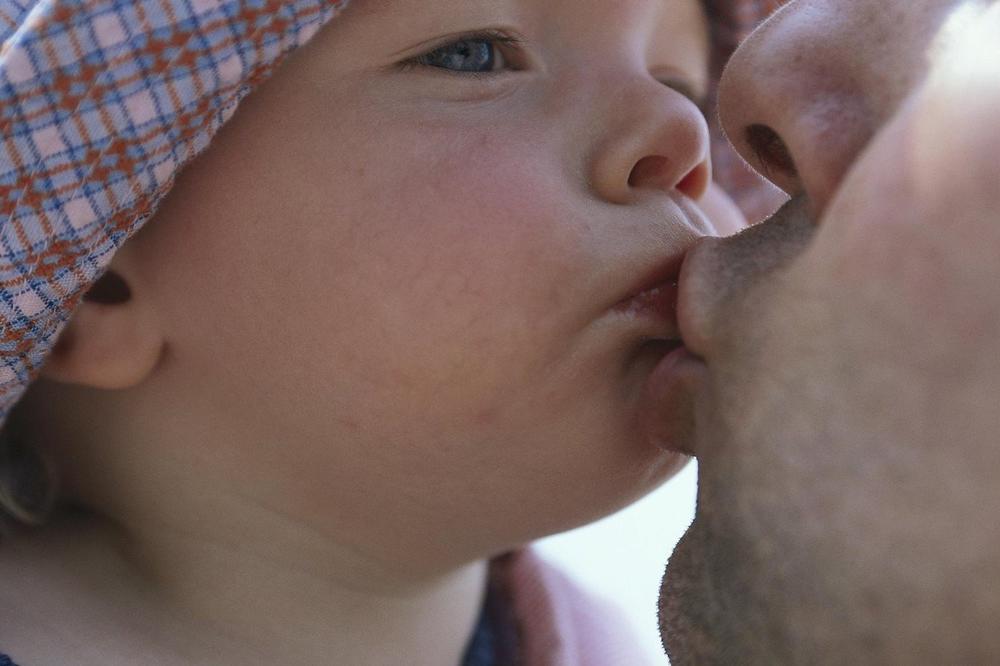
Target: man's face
[[843, 382]]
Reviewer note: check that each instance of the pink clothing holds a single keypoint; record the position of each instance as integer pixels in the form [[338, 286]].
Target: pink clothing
[[560, 623]]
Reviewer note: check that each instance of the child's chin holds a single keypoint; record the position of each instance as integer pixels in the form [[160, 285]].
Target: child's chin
[[611, 498]]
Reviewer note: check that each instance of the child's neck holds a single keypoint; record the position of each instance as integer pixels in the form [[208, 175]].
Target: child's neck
[[283, 596]]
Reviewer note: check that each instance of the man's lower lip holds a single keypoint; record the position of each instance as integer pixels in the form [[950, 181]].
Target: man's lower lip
[[668, 403]]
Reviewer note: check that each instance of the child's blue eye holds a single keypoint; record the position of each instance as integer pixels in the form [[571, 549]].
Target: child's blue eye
[[465, 55], [483, 52]]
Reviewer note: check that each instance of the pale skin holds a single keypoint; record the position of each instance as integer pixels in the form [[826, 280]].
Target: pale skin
[[844, 407], [371, 343]]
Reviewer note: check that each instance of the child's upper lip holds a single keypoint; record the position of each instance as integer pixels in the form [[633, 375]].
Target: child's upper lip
[[662, 273], [666, 269], [655, 296]]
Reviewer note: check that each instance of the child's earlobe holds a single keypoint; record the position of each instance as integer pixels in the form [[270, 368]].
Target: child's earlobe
[[112, 341]]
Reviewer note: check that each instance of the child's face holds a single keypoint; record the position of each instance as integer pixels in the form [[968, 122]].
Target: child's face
[[389, 290]]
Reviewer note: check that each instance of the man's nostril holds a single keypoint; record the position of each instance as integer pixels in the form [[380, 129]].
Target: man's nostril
[[771, 151]]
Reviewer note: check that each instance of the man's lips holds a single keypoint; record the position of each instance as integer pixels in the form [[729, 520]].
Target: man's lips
[[667, 415], [688, 301], [706, 287], [717, 271]]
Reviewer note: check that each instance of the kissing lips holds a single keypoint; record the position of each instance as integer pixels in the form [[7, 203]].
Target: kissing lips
[[667, 415]]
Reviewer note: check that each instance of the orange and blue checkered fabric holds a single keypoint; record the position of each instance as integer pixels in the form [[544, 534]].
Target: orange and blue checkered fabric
[[102, 102]]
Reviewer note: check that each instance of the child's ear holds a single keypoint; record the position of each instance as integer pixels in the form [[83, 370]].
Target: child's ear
[[112, 340]]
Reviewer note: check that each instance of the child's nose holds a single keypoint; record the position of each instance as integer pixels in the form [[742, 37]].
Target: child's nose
[[657, 139]]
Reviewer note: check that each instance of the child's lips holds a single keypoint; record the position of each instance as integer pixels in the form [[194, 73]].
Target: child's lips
[[655, 297], [659, 302], [655, 292]]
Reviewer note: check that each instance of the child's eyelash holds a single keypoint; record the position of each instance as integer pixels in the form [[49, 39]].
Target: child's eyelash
[[498, 36]]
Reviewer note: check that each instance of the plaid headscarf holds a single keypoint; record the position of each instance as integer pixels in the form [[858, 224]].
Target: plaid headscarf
[[103, 102]]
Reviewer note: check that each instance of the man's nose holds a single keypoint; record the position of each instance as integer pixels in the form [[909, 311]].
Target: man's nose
[[803, 96], [656, 140]]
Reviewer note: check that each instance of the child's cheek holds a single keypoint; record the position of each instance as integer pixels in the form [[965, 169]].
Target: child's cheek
[[485, 246]]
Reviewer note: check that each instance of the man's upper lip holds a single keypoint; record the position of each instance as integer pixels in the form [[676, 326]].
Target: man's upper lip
[[687, 300], [700, 283]]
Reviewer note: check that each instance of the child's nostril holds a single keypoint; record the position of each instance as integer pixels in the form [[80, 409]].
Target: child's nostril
[[649, 171], [654, 171], [695, 182], [771, 151]]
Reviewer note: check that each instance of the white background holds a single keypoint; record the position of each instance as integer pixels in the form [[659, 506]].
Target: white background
[[622, 557]]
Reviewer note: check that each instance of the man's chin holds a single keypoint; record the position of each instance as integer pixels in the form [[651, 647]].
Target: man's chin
[[683, 613]]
